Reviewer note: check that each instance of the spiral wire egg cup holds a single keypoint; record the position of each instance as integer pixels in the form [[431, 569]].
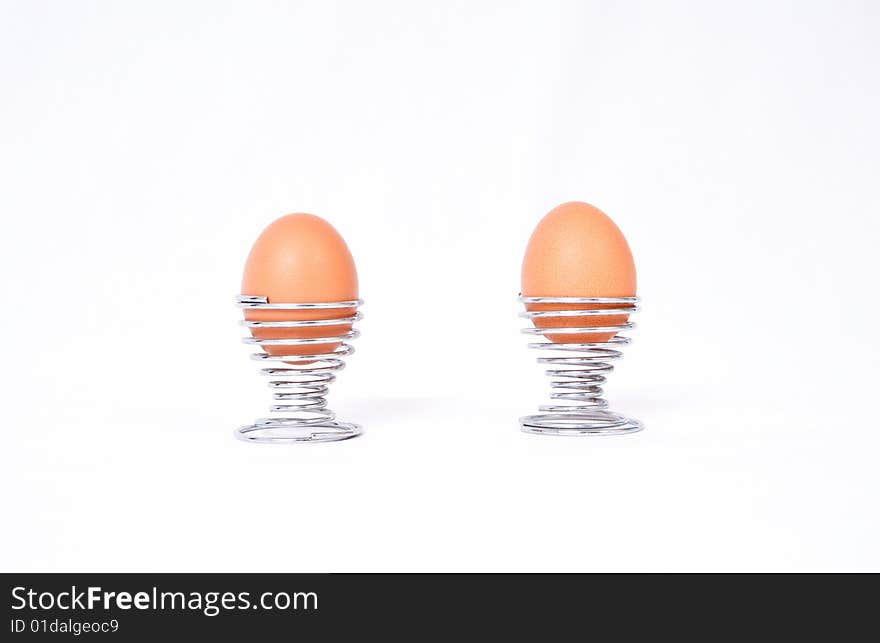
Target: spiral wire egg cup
[[579, 374], [300, 382]]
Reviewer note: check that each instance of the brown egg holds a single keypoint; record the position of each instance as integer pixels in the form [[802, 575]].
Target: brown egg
[[577, 251], [300, 258]]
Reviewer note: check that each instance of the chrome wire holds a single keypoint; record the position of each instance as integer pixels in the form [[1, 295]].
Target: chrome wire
[[300, 383], [578, 370]]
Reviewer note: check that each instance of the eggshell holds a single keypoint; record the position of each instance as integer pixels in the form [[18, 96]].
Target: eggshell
[[576, 250], [300, 258]]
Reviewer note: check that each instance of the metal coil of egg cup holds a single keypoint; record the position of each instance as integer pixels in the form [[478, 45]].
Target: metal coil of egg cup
[[579, 374], [300, 383]]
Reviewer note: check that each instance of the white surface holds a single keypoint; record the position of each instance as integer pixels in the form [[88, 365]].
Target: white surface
[[146, 145]]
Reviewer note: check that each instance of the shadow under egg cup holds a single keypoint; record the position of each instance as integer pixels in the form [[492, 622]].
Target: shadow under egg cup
[[578, 376], [300, 382]]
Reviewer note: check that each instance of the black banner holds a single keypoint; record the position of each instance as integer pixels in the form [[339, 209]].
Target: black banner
[[127, 607]]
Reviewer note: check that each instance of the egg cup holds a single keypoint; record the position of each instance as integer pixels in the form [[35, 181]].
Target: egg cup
[[300, 381], [578, 378]]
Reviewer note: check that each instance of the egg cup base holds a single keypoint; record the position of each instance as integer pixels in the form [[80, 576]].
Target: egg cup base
[[577, 425], [280, 433]]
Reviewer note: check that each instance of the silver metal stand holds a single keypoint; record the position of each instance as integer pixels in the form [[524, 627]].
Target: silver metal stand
[[300, 381], [579, 374]]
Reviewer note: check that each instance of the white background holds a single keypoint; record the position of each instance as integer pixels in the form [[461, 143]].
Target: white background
[[144, 146]]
